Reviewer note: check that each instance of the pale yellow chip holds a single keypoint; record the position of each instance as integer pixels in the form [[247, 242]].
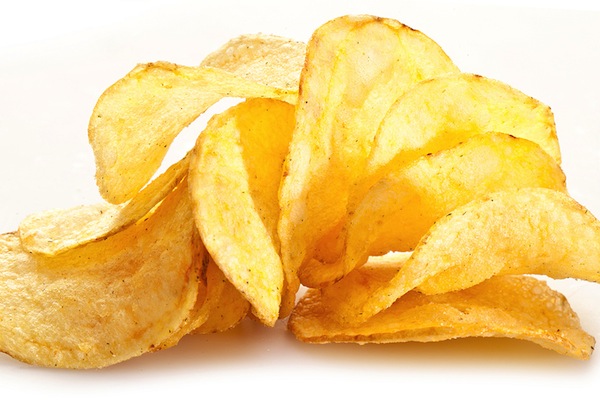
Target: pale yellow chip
[[234, 181], [272, 60], [136, 119], [55, 231], [404, 204], [522, 231], [356, 67], [200, 312], [227, 307], [517, 307], [441, 112], [437, 114], [104, 302], [526, 231]]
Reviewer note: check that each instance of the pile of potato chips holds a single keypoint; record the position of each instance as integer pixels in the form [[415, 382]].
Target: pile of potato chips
[[413, 201]]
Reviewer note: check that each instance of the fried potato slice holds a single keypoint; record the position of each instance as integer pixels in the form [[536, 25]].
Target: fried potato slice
[[527, 231], [402, 206], [356, 67], [55, 231], [104, 302], [136, 119], [442, 112], [200, 312], [234, 177], [226, 305], [522, 231], [518, 307], [268, 59]]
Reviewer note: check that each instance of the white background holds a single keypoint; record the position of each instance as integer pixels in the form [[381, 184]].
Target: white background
[[57, 57]]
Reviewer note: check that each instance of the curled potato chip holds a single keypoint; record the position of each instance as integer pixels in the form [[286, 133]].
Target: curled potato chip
[[55, 231], [104, 302], [521, 231], [234, 181], [356, 67], [136, 119], [439, 113], [402, 206], [518, 307]]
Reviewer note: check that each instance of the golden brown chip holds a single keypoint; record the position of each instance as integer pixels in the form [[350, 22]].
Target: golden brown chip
[[104, 302], [356, 67], [55, 231], [402, 206], [234, 182], [523, 231], [518, 307], [136, 119]]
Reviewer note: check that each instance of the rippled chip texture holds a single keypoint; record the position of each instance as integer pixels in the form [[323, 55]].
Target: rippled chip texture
[[518, 307], [104, 302], [234, 181]]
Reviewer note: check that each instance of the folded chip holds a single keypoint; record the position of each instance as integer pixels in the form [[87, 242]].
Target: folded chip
[[234, 182]]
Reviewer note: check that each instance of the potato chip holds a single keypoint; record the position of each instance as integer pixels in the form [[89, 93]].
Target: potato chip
[[437, 114], [356, 67], [410, 197], [104, 302], [234, 181], [226, 305], [402, 206], [527, 231], [522, 231], [136, 119], [518, 307], [268, 59], [442, 112], [55, 231], [199, 313]]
